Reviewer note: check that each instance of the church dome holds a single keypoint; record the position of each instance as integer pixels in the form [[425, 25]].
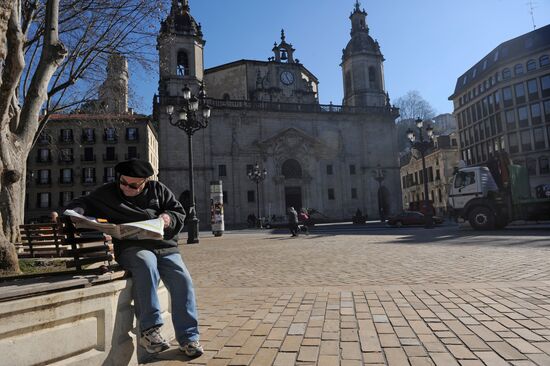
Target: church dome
[[180, 20], [361, 42]]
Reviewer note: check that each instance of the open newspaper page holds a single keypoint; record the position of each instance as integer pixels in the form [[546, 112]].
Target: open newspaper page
[[140, 230]]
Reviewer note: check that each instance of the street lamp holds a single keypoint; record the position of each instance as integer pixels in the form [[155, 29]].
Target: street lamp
[[257, 175], [192, 116], [422, 146], [379, 175]]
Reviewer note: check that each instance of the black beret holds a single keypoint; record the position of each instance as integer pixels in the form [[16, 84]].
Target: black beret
[[135, 168]]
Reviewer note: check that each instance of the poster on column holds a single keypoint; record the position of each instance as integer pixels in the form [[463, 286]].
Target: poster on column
[[216, 207]]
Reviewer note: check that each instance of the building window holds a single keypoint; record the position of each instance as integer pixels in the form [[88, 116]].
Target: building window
[[544, 166], [249, 168], [510, 117], [182, 67], [532, 89], [520, 93], [538, 134], [546, 104], [536, 114], [43, 200], [88, 154], [513, 143], [506, 74], [66, 155], [531, 65], [507, 100], [526, 141], [110, 134], [531, 166], [132, 134], [331, 193], [348, 83], [132, 153], [523, 118], [85, 193], [518, 69], [43, 156], [88, 175], [251, 196], [222, 170], [352, 169], [65, 198], [66, 135], [373, 83], [110, 154], [109, 174], [88, 135], [354, 193], [545, 86], [291, 169], [544, 60], [44, 176], [225, 198], [66, 176], [329, 169]]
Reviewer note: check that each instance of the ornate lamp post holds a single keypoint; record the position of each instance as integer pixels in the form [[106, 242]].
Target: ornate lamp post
[[192, 116], [422, 146], [257, 175], [379, 175]]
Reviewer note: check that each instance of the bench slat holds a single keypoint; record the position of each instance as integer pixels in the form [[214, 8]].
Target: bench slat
[[90, 260]]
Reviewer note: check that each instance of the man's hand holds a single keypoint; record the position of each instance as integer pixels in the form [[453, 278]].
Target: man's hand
[[166, 218]]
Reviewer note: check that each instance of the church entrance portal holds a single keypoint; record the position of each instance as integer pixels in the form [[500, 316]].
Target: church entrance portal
[[293, 197]]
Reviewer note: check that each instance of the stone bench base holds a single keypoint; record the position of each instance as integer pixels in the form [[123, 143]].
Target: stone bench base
[[85, 326]]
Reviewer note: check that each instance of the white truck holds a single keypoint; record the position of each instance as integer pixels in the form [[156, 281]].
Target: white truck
[[490, 198]]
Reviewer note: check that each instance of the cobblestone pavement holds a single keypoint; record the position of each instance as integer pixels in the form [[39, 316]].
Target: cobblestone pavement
[[387, 297]]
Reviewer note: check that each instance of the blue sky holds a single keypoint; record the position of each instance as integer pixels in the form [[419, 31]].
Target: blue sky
[[427, 44]]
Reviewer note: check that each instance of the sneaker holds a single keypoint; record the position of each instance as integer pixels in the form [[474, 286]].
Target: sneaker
[[152, 340], [192, 349]]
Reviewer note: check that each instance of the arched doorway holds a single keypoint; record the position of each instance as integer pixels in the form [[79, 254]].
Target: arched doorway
[[292, 171]]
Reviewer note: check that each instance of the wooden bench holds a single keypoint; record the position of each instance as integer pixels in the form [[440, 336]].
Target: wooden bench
[[63, 239]]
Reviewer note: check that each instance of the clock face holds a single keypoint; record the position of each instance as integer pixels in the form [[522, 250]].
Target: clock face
[[287, 77]]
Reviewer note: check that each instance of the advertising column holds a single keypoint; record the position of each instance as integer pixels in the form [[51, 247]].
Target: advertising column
[[216, 207]]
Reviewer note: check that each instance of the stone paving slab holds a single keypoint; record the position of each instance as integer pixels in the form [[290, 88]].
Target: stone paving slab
[[391, 299]]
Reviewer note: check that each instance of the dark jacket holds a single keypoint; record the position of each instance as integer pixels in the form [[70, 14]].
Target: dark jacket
[[108, 202]]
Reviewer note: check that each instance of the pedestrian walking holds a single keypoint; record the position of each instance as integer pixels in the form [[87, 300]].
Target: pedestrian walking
[[135, 197], [292, 221]]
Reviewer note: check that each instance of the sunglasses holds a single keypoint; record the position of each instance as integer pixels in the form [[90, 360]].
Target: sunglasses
[[131, 185]]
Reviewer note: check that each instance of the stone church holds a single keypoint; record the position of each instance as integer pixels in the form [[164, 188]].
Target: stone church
[[332, 158]]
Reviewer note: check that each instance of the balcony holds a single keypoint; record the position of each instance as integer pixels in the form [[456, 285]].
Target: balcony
[[65, 140], [108, 179], [87, 139], [110, 157], [110, 139], [44, 140], [132, 137], [66, 181], [44, 181], [87, 181], [131, 156], [44, 159], [88, 158], [66, 160]]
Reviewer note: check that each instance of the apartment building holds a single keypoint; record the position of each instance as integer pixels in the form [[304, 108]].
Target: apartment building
[[77, 153], [440, 163], [503, 103]]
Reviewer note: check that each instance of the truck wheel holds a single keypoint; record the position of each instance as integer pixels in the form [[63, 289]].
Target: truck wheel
[[482, 218]]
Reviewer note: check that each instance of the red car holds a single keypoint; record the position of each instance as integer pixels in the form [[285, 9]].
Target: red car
[[411, 218]]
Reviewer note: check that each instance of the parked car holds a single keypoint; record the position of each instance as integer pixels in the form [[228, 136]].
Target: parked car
[[411, 218]]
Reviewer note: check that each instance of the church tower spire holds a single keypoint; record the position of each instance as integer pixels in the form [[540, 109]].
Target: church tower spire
[[180, 45], [362, 65]]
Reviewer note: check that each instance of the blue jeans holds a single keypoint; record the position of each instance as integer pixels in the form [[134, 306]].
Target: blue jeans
[[147, 270]]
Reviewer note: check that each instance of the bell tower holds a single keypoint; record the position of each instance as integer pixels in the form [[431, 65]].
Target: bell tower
[[362, 65], [180, 46]]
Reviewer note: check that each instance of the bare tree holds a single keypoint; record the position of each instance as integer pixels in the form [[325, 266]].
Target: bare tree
[[52, 52], [411, 106]]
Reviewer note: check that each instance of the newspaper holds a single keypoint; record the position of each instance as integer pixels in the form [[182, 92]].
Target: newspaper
[[140, 230]]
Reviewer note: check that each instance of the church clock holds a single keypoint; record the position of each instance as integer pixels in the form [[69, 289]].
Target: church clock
[[287, 77]]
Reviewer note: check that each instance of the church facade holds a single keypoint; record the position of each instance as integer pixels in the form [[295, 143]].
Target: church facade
[[324, 157]]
